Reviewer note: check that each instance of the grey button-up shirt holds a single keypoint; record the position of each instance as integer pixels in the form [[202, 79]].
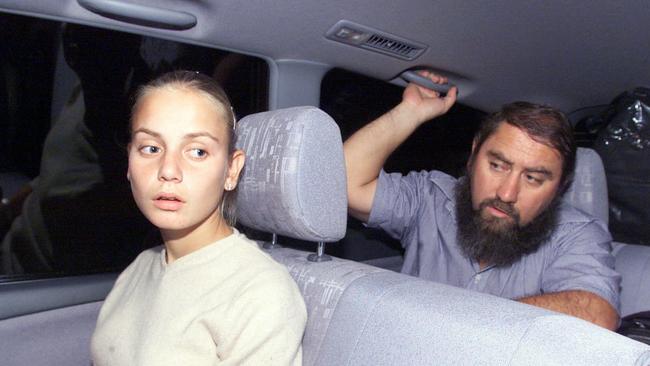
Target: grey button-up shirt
[[419, 209]]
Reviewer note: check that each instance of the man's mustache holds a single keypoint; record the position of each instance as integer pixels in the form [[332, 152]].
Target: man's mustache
[[507, 208]]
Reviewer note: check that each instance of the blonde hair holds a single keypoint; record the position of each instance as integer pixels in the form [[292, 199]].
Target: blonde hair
[[208, 87]]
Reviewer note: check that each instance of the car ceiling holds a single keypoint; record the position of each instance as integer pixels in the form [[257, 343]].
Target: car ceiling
[[570, 54]]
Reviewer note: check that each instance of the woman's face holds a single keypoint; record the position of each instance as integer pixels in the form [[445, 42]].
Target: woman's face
[[179, 163]]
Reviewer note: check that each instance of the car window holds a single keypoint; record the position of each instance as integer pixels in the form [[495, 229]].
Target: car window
[[353, 100], [65, 98], [444, 144]]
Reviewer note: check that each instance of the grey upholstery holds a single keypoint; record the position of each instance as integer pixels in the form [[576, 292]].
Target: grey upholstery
[[363, 315], [293, 182], [55, 337], [633, 263], [588, 191], [561, 340], [322, 285]]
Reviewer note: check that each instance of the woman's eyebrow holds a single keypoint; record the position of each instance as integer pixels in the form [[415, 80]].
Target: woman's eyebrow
[[192, 135], [147, 131]]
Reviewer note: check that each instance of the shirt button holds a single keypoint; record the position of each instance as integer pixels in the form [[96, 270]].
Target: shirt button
[[477, 278]]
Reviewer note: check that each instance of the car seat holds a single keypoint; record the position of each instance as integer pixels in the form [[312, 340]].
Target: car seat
[[365, 315], [588, 192]]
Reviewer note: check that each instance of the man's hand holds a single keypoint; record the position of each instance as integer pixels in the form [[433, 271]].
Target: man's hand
[[367, 150], [425, 104], [581, 304]]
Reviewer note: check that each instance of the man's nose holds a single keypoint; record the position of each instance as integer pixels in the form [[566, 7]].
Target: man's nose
[[509, 188], [170, 169]]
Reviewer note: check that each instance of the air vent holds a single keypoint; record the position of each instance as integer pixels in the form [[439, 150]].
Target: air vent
[[364, 37], [392, 46]]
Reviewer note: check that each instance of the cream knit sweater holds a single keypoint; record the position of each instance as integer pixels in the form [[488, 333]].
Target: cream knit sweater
[[226, 304]]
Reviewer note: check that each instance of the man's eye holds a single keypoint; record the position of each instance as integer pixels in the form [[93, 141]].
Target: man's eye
[[533, 179], [198, 153], [496, 166], [149, 150]]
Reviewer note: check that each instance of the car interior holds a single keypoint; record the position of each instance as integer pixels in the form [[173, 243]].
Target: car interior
[[303, 76]]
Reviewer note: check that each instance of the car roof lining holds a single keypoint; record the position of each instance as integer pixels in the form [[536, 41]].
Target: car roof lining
[[566, 54]]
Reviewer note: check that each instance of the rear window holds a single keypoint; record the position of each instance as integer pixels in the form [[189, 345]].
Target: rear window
[[65, 98], [443, 144]]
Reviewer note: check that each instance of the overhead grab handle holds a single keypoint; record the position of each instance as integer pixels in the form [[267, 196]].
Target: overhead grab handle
[[140, 14], [414, 77]]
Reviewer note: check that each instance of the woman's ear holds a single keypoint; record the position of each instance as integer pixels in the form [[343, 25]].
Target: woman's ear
[[237, 160], [128, 171]]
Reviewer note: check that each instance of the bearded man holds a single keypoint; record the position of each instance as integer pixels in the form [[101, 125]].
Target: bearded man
[[502, 229]]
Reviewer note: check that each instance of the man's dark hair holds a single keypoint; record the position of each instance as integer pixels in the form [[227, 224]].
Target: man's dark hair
[[543, 124]]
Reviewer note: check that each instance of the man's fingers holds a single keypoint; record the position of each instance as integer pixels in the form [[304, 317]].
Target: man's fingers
[[426, 92], [450, 98]]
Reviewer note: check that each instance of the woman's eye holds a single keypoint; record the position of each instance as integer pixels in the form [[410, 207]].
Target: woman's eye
[[198, 153], [149, 150]]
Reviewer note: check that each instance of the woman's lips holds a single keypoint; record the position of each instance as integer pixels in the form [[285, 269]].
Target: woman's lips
[[168, 202]]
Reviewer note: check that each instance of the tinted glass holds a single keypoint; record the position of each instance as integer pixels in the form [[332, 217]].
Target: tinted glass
[[65, 99], [443, 144]]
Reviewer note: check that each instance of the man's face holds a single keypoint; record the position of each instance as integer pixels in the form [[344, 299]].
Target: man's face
[[513, 178]]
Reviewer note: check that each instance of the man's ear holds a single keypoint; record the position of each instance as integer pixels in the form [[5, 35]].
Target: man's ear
[[472, 155]]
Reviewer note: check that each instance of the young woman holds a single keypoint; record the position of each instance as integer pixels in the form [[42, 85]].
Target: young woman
[[208, 296]]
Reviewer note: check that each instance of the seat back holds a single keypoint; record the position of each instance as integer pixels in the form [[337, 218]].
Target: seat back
[[633, 263], [588, 191], [364, 315], [294, 184]]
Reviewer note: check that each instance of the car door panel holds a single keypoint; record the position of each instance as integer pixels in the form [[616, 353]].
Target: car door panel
[[50, 321]]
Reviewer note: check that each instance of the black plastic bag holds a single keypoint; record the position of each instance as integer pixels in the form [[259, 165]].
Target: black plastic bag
[[624, 145], [636, 326]]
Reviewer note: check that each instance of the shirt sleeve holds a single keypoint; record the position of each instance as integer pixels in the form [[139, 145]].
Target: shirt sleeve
[[583, 261], [266, 323], [399, 200]]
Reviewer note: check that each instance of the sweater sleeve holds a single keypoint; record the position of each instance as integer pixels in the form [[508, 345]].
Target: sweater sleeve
[[265, 323]]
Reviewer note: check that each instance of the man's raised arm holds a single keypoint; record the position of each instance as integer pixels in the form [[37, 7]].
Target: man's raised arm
[[366, 150]]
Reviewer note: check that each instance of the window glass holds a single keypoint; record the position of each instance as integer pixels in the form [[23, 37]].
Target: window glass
[[443, 144], [65, 98]]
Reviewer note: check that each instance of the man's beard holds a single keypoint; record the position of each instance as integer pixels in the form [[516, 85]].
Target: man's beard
[[494, 240]]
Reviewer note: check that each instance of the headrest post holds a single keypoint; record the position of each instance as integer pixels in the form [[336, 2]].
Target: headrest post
[[320, 255], [273, 243]]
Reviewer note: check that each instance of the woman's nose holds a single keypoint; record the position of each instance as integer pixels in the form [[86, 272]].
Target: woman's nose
[[170, 169]]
